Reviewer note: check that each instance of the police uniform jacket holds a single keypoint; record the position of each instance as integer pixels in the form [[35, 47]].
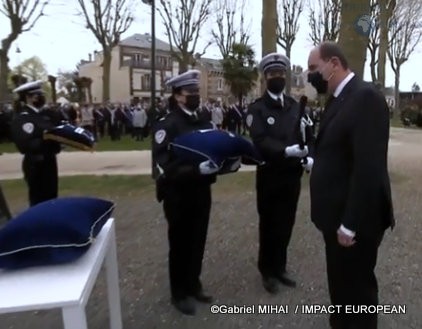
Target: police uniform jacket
[[273, 127], [27, 130], [169, 170]]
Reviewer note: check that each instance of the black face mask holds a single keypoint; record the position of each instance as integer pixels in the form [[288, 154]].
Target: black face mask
[[276, 85], [192, 102], [40, 101], [318, 82]]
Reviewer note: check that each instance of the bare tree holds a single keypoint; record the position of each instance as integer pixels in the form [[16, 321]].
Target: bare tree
[[107, 20], [324, 20], [404, 36], [227, 32], [374, 40], [183, 22], [386, 12], [381, 12], [287, 29], [22, 15]]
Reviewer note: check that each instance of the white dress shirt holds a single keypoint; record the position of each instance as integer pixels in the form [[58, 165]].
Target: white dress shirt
[[276, 97]]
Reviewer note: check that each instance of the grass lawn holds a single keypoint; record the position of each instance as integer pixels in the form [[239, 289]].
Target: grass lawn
[[127, 143], [114, 187]]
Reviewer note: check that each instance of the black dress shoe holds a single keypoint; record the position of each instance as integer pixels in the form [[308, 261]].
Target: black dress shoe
[[185, 305], [271, 285], [201, 297], [286, 280]]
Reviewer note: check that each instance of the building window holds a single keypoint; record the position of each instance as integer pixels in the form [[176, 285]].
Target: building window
[[137, 57], [220, 84], [146, 82]]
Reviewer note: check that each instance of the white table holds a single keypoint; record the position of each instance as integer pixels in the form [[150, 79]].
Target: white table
[[66, 286]]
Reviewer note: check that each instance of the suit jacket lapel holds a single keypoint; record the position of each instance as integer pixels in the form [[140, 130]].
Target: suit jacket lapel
[[335, 106]]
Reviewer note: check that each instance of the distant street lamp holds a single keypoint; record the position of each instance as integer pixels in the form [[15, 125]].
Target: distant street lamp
[[153, 68], [152, 4]]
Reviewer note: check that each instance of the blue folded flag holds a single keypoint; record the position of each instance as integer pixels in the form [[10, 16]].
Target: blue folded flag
[[68, 134], [216, 146]]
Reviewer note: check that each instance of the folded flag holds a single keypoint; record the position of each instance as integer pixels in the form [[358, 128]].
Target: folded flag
[[68, 134], [216, 146]]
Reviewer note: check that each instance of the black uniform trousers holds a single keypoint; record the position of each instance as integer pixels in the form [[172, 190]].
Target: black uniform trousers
[[351, 279], [187, 209], [277, 198], [41, 176]]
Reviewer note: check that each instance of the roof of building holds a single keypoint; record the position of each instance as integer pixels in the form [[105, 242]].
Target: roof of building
[[144, 41], [211, 64]]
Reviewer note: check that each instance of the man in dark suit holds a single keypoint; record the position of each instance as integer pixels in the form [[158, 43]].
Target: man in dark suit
[[350, 186]]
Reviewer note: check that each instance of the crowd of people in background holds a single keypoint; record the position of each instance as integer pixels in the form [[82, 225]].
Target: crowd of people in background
[[114, 120]]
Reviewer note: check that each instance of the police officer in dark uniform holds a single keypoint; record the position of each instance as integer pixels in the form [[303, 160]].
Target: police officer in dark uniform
[[273, 124], [185, 190], [39, 162]]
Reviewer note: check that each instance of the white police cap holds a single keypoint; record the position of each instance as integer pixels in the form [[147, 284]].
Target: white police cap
[[188, 78], [33, 87], [274, 61]]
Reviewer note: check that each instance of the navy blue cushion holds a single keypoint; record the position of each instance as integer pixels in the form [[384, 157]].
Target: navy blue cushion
[[52, 232], [76, 137], [214, 145]]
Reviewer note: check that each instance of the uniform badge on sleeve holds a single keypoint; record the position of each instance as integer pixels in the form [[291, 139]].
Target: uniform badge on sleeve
[[270, 120], [28, 127], [159, 136], [249, 120]]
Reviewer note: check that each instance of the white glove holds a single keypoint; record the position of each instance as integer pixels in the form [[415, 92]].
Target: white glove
[[296, 151], [308, 165], [207, 168]]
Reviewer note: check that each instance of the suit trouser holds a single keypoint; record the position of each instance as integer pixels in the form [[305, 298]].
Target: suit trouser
[[277, 204], [187, 211], [351, 280], [41, 176]]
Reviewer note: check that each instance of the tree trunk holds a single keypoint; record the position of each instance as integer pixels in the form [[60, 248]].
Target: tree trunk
[[288, 87], [385, 14], [183, 64], [4, 73], [240, 100], [352, 42], [268, 30], [373, 70], [106, 74], [397, 90], [269, 26]]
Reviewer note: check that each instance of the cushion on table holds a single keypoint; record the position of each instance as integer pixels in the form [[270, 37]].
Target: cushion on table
[[52, 232]]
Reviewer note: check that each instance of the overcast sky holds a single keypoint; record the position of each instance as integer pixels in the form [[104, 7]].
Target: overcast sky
[[60, 39]]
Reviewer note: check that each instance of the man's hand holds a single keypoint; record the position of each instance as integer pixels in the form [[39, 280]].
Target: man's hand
[[345, 237], [207, 168], [296, 151], [308, 165]]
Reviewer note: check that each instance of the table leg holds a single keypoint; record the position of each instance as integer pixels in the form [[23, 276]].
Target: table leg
[[74, 317], [113, 284]]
